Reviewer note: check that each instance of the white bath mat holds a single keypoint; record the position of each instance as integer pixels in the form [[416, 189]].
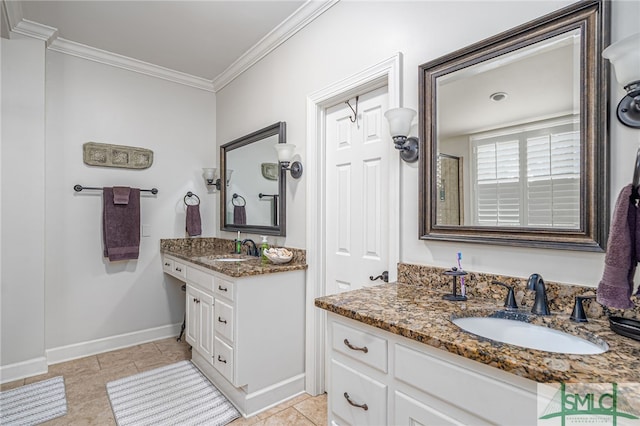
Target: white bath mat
[[175, 394], [34, 403]]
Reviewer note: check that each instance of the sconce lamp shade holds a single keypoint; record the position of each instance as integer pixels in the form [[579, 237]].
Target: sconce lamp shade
[[228, 174], [209, 173], [285, 152], [624, 55], [400, 120], [625, 58]]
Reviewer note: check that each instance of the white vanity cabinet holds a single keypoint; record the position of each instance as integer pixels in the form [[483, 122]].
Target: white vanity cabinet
[[376, 377], [246, 333]]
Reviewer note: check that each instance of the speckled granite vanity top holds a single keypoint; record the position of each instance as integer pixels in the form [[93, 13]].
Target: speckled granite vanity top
[[205, 251], [418, 312]]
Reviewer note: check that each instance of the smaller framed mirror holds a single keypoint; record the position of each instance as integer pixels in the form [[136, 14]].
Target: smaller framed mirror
[[254, 197]]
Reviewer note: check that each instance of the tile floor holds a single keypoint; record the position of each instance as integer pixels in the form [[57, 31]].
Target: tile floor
[[88, 404]]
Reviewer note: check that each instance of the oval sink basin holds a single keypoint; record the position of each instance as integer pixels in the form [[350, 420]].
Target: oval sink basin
[[520, 333], [230, 259]]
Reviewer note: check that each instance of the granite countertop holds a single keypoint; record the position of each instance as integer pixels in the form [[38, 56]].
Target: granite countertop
[[204, 251], [419, 313]]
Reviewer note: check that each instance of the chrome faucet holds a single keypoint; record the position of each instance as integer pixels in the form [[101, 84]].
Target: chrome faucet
[[251, 251], [540, 305]]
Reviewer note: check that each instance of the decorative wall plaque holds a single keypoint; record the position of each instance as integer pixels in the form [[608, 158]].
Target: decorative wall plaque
[[107, 155]]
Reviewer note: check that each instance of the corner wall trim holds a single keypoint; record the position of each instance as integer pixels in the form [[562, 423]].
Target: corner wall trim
[[20, 370]]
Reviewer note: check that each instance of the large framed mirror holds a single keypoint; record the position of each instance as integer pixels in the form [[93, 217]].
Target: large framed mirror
[[516, 138], [254, 197]]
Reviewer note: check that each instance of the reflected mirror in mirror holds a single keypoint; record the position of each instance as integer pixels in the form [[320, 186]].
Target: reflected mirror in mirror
[[515, 136], [521, 140], [254, 197]]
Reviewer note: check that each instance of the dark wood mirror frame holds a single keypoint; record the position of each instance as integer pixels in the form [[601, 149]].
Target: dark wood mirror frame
[[592, 18], [279, 129]]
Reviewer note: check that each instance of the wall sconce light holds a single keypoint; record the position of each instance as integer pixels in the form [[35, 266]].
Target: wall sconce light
[[285, 154], [624, 55], [209, 175], [211, 179], [399, 126]]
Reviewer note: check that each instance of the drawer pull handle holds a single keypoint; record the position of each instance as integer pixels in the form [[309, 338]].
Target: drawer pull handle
[[221, 359], [178, 269], [167, 264], [365, 407], [222, 288], [355, 348], [222, 320]]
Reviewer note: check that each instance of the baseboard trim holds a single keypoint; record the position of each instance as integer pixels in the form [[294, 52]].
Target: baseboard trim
[[93, 347], [20, 370]]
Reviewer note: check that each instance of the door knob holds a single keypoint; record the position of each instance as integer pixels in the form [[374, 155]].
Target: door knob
[[384, 276]]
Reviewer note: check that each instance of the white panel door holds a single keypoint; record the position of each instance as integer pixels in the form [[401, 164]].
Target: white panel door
[[357, 190]]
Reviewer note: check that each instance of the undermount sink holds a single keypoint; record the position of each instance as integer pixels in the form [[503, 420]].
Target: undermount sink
[[230, 259], [531, 336]]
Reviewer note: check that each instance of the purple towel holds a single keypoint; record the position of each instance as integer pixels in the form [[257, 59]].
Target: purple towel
[[239, 215], [121, 226], [621, 258], [194, 225], [121, 194]]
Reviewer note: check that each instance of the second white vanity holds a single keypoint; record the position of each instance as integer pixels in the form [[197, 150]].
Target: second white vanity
[[245, 326]]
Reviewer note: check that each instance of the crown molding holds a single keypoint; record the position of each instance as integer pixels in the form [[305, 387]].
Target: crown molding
[[303, 16], [119, 61], [13, 10], [35, 30]]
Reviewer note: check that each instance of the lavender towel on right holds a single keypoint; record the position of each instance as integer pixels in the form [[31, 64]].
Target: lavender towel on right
[[194, 224], [621, 258], [239, 215]]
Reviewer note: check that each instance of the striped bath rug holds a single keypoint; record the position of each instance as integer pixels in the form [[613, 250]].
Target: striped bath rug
[[177, 394], [34, 403]]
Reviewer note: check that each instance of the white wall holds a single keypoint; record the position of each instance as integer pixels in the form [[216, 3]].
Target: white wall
[[353, 36], [88, 297], [22, 262], [60, 298]]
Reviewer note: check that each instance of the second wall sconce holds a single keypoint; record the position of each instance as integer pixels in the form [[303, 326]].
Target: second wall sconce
[[624, 55], [211, 178], [400, 120], [285, 154]]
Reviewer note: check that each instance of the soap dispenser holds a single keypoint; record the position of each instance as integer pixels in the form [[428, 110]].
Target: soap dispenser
[[263, 248]]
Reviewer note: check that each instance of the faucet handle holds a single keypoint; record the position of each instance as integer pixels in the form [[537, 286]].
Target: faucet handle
[[510, 300], [578, 314]]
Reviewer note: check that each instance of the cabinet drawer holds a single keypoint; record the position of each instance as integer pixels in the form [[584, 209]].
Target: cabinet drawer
[[223, 359], [224, 320], [167, 265], [451, 382], [203, 279], [365, 347], [223, 288], [360, 390], [179, 270]]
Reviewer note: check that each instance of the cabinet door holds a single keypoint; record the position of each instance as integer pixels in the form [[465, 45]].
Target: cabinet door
[[191, 308], [204, 343]]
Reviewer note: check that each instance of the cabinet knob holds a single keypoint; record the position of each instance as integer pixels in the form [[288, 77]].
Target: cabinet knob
[[222, 288], [222, 320], [365, 407], [355, 348], [222, 359]]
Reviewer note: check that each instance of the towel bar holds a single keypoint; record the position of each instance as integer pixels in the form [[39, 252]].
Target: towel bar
[[79, 188]]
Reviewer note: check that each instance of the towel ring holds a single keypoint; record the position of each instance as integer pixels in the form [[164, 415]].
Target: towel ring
[[189, 195], [233, 200]]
